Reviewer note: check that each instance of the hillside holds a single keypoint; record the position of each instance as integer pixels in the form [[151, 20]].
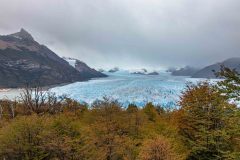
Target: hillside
[[185, 71], [83, 68], [23, 61], [208, 72]]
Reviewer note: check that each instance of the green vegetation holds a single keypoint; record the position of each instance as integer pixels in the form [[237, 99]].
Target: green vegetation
[[43, 126]]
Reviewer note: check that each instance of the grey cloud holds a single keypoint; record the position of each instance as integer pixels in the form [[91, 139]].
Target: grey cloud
[[136, 33]]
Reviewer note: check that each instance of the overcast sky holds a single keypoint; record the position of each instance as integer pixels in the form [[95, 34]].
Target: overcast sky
[[130, 33]]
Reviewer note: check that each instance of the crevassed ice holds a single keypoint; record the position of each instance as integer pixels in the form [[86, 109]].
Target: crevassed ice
[[162, 89]]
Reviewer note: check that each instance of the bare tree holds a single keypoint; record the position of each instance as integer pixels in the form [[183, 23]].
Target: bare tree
[[54, 103], [12, 110], [7, 108], [1, 111], [39, 101], [33, 99]]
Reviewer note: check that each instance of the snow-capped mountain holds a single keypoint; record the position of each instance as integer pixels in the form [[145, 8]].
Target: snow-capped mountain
[[83, 68]]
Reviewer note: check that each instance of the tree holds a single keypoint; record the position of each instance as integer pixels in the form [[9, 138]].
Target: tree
[[135, 121], [151, 112], [39, 101], [230, 86], [21, 139], [66, 138], [207, 123], [33, 99], [8, 109], [44, 137], [158, 148], [109, 129], [72, 106]]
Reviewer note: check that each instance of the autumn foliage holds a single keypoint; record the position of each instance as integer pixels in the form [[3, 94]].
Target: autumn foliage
[[205, 126]]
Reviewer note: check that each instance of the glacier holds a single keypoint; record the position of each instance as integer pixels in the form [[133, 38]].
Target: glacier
[[163, 89]]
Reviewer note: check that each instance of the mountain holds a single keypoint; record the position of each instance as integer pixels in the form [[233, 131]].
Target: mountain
[[144, 72], [171, 69], [83, 68], [23, 61], [115, 69], [153, 73], [101, 70], [208, 72], [185, 71]]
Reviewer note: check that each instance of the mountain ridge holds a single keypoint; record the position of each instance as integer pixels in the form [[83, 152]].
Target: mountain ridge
[[83, 68], [185, 71], [209, 71], [23, 61]]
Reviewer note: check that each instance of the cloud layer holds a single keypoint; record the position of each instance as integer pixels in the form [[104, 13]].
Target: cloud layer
[[130, 34]]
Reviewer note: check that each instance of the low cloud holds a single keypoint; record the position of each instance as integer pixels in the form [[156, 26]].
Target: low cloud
[[130, 34]]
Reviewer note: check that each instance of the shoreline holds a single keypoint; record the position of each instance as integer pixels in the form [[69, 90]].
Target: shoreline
[[13, 93], [47, 87]]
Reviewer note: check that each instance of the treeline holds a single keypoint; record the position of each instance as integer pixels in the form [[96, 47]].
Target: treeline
[[206, 126]]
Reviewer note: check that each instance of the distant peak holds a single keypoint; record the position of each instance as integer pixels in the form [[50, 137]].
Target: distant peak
[[233, 59], [23, 31], [23, 34]]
